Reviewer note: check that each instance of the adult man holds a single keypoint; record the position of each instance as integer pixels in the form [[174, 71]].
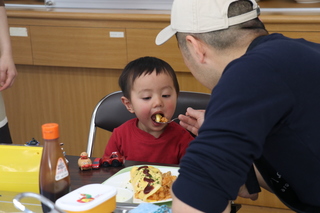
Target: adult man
[[264, 107], [8, 72]]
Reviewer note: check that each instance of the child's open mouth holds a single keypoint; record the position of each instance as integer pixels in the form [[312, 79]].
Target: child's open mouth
[[156, 116], [159, 118]]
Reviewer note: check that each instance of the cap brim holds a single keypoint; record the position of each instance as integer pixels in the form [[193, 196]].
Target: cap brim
[[165, 35]]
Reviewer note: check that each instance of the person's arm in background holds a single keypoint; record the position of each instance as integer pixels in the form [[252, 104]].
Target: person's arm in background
[[8, 70]]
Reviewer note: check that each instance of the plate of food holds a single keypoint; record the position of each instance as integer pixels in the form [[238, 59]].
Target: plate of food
[[149, 184]]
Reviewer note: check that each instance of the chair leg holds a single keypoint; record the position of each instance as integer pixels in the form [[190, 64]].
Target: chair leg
[[91, 138], [5, 136]]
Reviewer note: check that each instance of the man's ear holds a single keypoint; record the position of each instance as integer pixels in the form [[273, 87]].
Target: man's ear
[[196, 47], [127, 104]]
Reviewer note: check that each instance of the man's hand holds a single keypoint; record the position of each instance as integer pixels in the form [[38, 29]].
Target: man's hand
[[193, 120], [243, 192]]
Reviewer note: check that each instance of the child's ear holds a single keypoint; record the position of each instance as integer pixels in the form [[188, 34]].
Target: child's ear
[[127, 104]]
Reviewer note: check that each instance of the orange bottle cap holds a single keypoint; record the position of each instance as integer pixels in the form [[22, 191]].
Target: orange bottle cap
[[50, 131]]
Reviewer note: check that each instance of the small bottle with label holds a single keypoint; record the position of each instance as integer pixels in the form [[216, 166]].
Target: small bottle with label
[[54, 176]]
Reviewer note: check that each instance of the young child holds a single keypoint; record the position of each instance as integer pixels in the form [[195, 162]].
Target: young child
[[150, 87]]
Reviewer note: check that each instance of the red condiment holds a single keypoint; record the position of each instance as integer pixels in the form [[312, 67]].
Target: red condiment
[[148, 189], [149, 180]]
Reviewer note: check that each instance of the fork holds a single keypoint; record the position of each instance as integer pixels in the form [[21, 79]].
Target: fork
[[167, 121]]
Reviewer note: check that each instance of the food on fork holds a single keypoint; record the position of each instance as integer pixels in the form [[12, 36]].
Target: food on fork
[[160, 118], [150, 184]]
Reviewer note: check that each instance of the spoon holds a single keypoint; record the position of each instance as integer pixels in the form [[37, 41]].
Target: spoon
[[159, 122]]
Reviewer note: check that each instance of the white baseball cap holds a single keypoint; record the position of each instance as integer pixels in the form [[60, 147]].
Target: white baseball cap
[[201, 16]]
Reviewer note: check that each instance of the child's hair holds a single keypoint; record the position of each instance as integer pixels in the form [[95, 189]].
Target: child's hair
[[144, 66]]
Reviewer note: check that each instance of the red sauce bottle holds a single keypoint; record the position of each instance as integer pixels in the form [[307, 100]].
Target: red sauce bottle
[[54, 176]]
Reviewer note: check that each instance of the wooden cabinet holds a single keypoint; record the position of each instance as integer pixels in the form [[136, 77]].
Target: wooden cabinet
[[79, 47], [310, 36], [299, 26], [141, 42], [21, 46], [110, 40]]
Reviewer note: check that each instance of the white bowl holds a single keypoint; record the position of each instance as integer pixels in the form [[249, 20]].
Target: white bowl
[[124, 195]]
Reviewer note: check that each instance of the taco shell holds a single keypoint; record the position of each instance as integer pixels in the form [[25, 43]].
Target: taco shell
[[146, 180]]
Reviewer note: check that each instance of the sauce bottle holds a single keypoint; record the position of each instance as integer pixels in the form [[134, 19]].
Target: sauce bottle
[[54, 176]]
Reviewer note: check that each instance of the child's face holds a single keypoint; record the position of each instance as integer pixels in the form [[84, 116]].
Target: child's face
[[150, 95]]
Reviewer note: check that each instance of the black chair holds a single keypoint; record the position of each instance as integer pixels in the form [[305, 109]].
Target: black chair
[[110, 112]]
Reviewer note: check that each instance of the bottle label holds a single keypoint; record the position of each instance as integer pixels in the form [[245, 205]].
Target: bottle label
[[61, 170]]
